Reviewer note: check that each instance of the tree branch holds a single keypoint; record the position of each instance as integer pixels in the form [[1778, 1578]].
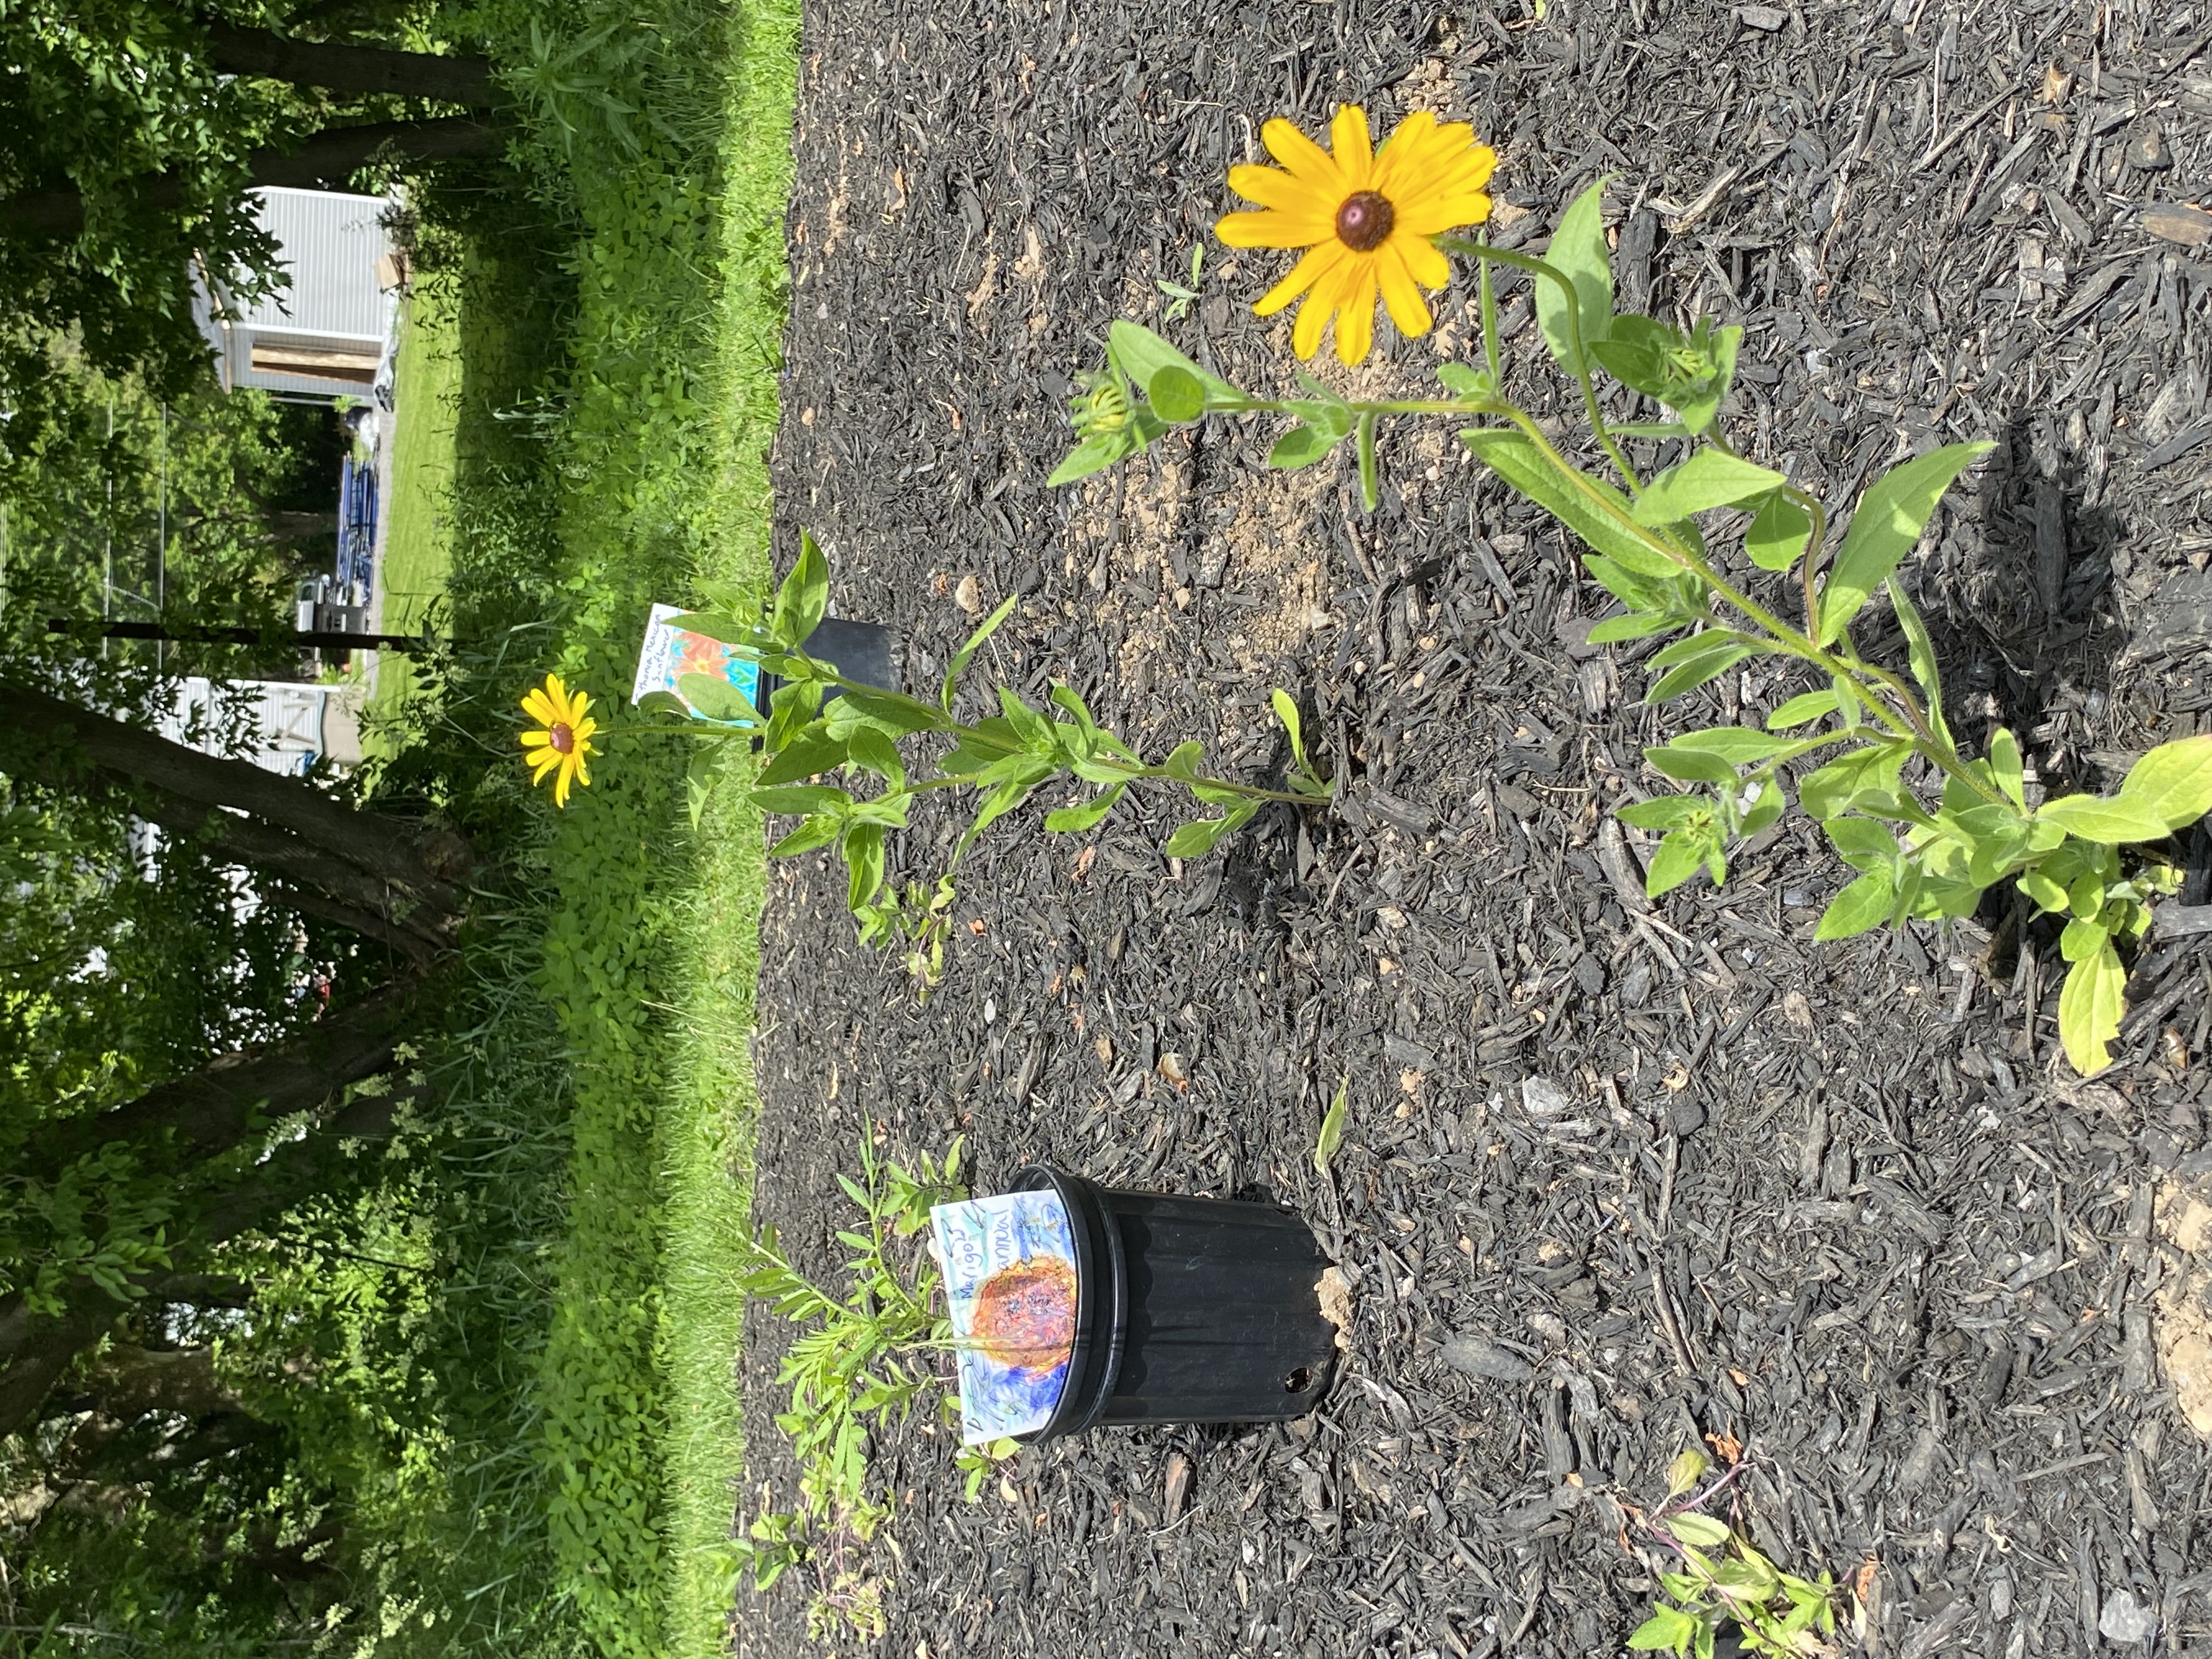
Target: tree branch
[[36, 1348], [327, 160], [216, 1108], [363, 859], [361, 69]]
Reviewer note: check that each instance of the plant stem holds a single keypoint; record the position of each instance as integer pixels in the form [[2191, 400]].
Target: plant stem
[[1484, 251], [976, 735]]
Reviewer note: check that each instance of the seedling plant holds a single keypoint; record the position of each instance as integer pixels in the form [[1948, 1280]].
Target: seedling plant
[[1729, 561], [861, 1358]]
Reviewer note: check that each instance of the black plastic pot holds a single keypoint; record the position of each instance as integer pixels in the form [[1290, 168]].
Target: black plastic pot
[[1187, 1309], [865, 651]]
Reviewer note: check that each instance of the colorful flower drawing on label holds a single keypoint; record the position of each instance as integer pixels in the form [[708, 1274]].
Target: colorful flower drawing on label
[[1010, 1289], [671, 652]]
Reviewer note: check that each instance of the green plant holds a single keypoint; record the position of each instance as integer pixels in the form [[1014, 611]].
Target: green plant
[[1874, 742], [1724, 1580], [1004, 757], [853, 1364]]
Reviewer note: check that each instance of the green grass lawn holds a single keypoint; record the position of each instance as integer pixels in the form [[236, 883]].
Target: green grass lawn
[[626, 467], [418, 550]]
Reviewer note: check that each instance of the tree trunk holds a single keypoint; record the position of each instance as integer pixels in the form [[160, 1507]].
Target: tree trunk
[[358, 69], [218, 1106], [385, 868], [286, 526], [36, 1348], [327, 160]]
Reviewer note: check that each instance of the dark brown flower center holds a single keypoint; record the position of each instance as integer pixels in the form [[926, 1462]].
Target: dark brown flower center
[[562, 736], [1364, 222]]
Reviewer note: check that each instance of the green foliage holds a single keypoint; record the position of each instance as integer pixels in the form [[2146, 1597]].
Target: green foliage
[[854, 1361], [1861, 744], [820, 723], [1722, 1583]]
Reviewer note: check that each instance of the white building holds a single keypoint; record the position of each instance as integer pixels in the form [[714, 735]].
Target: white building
[[297, 724], [327, 334]]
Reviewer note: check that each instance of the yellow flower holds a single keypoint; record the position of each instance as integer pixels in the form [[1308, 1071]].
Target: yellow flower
[[1365, 218], [564, 738]]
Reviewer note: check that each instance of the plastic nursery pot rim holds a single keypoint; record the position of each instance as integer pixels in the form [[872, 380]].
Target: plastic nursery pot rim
[[1102, 1302]]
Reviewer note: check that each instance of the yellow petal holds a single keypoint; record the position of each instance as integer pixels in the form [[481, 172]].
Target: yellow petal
[[1469, 207], [1304, 157], [540, 708], [546, 760], [1355, 154], [560, 790], [584, 730], [577, 704], [1423, 263], [1271, 229], [534, 739], [583, 772], [1272, 187], [1355, 317], [1303, 275], [1320, 305], [1407, 309]]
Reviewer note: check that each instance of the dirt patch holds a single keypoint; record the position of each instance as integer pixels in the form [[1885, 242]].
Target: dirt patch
[[1617, 1178]]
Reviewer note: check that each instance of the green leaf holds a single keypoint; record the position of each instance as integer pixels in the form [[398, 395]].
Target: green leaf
[[2089, 1010], [1287, 710], [1578, 252], [1691, 765], [1660, 429], [1835, 788], [1688, 1468], [864, 863], [2048, 895], [1142, 354], [1636, 625], [2113, 819], [724, 630], [1741, 744], [1921, 650], [1778, 535], [2005, 762], [873, 751], [810, 753], [795, 800], [1701, 1531], [1680, 855], [966, 653], [1763, 811], [1072, 820], [1668, 1630], [1890, 515], [716, 699], [664, 702], [2174, 782], [2083, 936], [1175, 394], [803, 597], [1522, 466], [1802, 710], [1708, 479], [1665, 811], [1184, 760], [1094, 454], [1332, 1126], [1301, 446], [1696, 668], [1866, 903], [1864, 843], [1461, 381]]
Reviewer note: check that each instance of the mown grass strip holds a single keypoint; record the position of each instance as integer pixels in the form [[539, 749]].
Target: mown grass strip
[[708, 1119]]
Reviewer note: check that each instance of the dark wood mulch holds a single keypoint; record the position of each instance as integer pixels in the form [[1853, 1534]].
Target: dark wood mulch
[[1614, 1180]]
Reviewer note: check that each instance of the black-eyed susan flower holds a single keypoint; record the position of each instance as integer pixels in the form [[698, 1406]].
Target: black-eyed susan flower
[[1365, 217], [562, 740]]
